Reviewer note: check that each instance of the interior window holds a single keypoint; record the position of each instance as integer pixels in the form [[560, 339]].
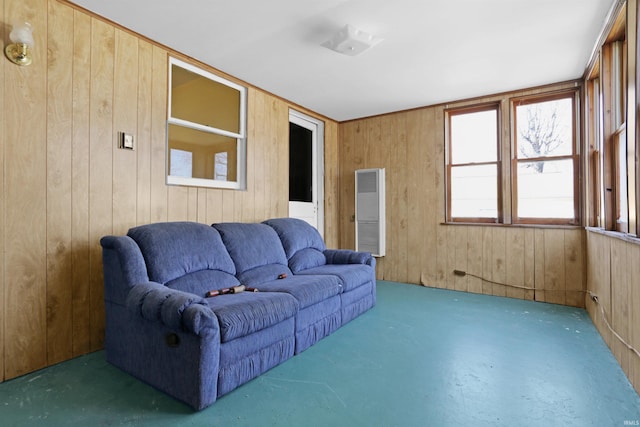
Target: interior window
[[207, 118]]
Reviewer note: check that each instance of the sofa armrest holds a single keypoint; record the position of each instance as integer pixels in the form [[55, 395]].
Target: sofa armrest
[[124, 266], [347, 256], [177, 310]]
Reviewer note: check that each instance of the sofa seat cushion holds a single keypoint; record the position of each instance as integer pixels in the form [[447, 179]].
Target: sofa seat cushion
[[244, 313], [307, 289], [203, 281], [351, 276]]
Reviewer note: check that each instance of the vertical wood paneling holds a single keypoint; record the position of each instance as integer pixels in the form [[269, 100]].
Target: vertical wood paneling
[[474, 259], [461, 257], [554, 266], [331, 184], [144, 132], [80, 244], [620, 295], [100, 164], [125, 119], [280, 136], [256, 149], [59, 179], [634, 315], [529, 263], [574, 267], [499, 261], [3, 130], [192, 204], [25, 191], [487, 258], [540, 265], [599, 281], [612, 271], [428, 195], [159, 82], [414, 201], [515, 260], [272, 159]]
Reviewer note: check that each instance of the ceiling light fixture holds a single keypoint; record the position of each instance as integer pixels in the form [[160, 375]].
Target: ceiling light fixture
[[351, 41]]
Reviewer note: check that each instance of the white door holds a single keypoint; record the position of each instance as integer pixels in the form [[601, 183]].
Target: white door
[[306, 169]]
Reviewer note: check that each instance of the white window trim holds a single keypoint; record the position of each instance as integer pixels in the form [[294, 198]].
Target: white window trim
[[241, 137]]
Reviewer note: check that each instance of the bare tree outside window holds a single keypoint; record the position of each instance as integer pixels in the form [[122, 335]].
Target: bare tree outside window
[[544, 129]]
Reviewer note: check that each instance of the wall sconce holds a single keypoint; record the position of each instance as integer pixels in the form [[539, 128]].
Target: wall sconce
[[19, 52]]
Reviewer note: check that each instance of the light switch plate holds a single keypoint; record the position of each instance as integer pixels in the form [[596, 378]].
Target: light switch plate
[[125, 141]]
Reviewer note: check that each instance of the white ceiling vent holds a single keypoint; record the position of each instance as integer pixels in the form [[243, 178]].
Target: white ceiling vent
[[351, 41]]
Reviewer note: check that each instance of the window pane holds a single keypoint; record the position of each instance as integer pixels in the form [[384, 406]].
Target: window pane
[[198, 99], [220, 169], [545, 129], [474, 137], [474, 191], [545, 189], [203, 146], [180, 163]]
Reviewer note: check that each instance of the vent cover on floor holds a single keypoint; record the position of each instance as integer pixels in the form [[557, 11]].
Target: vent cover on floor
[[370, 211]]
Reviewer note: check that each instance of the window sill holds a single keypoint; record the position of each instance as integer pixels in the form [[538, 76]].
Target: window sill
[[629, 238], [491, 224]]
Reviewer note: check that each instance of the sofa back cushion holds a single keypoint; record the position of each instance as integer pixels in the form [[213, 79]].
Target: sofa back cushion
[[256, 251], [186, 256], [302, 243]]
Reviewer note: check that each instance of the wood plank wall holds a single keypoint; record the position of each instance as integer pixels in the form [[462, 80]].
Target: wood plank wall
[[420, 249], [65, 184], [613, 274]]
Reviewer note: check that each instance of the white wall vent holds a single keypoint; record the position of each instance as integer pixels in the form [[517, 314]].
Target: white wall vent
[[370, 211]]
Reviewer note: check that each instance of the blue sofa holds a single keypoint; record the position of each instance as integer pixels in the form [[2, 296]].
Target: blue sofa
[[162, 329]]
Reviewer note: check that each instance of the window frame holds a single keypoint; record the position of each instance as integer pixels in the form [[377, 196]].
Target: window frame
[[240, 136], [449, 113], [574, 95]]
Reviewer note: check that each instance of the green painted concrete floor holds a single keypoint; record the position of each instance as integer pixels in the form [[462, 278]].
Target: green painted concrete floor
[[421, 357]]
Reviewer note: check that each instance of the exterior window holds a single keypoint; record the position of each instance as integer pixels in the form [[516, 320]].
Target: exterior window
[[206, 118], [473, 165], [220, 170], [545, 164], [181, 163]]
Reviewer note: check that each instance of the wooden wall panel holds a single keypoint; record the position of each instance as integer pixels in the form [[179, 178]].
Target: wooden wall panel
[[612, 270], [514, 262], [159, 81], [25, 192], [59, 179], [143, 132], [331, 185], [3, 128], [80, 240], [101, 139], [125, 120], [634, 314], [65, 184]]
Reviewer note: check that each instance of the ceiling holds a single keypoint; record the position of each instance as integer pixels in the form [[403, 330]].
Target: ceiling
[[434, 51]]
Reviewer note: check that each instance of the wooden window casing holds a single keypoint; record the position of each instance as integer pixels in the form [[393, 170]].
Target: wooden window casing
[[451, 164], [573, 157]]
